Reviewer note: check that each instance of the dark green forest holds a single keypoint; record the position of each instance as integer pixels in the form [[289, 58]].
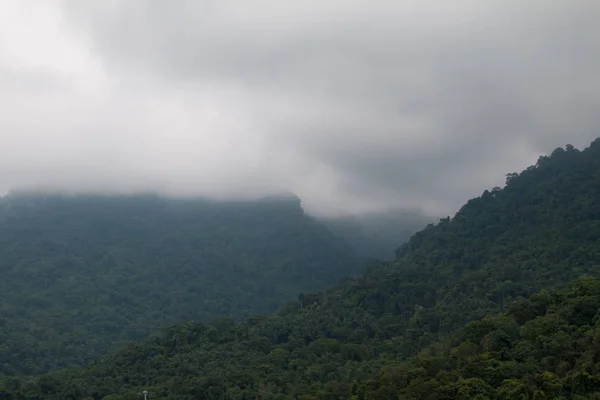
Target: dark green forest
[[80, 274], [544, 347], [499, 302]]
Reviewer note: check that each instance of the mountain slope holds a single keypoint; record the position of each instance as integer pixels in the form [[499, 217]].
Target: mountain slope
[[80, 274], [540, 231]]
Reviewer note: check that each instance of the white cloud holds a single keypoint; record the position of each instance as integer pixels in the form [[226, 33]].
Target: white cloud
[[353, 105]]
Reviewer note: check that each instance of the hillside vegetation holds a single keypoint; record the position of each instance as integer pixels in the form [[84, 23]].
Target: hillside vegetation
[[81, 274], [544, 347], [356, 340]]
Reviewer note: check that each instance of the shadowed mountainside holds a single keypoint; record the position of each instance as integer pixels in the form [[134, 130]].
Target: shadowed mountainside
[[79, 274]]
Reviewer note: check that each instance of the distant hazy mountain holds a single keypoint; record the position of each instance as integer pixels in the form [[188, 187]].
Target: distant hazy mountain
[[80, 274], [378, 235]]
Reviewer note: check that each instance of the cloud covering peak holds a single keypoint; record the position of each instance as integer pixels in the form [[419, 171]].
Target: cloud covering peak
[[353, 105]]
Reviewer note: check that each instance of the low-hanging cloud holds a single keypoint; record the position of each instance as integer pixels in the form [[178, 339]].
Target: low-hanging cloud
[[353, 105]]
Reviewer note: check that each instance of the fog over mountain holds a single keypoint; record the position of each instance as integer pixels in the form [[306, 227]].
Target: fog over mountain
[[355, 106]]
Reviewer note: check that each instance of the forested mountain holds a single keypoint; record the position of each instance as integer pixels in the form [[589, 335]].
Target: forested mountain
[[378, 235], [355, 340], [79, 274]]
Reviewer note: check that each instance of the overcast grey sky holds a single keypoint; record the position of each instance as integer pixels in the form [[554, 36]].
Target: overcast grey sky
[[352, 104]]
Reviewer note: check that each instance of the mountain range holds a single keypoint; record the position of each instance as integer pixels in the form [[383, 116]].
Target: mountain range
[[501, 301]]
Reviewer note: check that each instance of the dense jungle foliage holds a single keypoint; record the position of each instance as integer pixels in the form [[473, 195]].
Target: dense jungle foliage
[[544, 347], [81, 274], [417, 327]]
